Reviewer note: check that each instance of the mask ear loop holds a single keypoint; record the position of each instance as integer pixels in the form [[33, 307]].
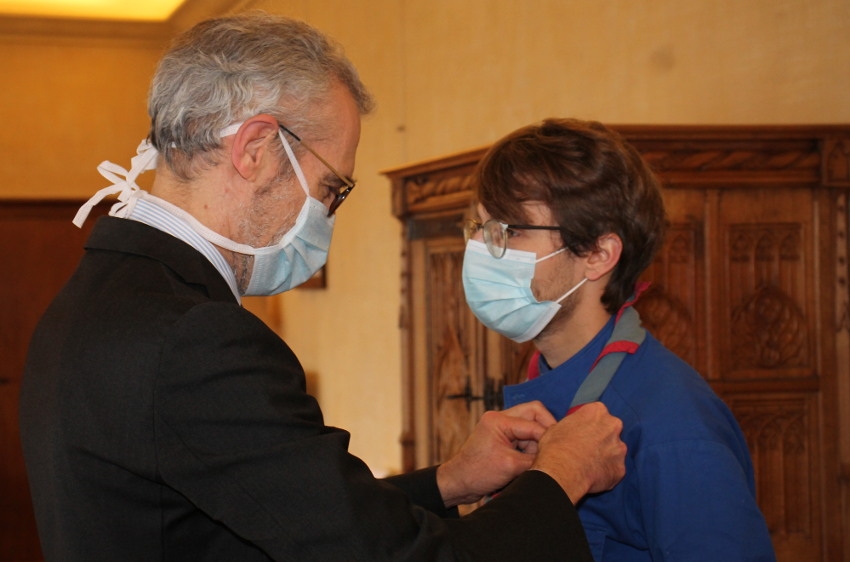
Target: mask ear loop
[[573, 290], [294, 161], [547, 256]]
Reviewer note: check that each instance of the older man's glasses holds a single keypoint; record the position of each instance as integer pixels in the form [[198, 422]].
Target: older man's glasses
[[496, 233], [349, 183]]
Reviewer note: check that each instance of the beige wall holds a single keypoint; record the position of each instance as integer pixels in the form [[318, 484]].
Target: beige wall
[[448, 75], [66, 104]]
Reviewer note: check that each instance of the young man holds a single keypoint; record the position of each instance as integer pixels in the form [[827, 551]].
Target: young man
[[570, 216], [162, 421]]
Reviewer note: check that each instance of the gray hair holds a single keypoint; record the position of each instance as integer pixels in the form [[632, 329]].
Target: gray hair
[[228, 69]]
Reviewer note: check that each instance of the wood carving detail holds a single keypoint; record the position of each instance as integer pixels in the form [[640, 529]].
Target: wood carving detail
[[680, 248], [837, 162], [666, 308], [667, 318], [451, 369], [842, 309], [768, 327], [422, 188], [764, 244], [769, 331], [757, 158], [777, 435]]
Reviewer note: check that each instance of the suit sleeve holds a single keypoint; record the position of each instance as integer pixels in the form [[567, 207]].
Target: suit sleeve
[[238, 435], [531, 519], [421, 487]]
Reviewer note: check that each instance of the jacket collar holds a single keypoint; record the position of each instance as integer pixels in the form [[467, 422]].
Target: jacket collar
[[133, 237]]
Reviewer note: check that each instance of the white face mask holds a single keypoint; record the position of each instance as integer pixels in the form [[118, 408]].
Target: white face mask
[[498, 291], [294, 259]]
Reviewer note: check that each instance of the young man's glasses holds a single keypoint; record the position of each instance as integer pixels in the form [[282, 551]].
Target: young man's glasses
[[347, 182], [496, 233]]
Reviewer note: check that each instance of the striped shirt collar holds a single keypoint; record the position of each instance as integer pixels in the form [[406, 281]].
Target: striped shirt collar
[[151, 214]]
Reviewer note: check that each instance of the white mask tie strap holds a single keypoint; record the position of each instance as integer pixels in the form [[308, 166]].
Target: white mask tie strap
[[123, 183]]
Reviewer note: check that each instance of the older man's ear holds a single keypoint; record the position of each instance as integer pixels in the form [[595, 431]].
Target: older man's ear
[[251, 145]]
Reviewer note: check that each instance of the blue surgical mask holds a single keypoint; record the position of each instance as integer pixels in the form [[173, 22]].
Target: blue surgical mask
[[498, 290]]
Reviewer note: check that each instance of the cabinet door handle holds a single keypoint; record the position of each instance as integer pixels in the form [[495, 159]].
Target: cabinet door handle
[[492, 394], [465, 395]]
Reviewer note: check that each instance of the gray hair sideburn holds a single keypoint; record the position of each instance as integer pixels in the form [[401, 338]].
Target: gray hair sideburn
[[229, 69]]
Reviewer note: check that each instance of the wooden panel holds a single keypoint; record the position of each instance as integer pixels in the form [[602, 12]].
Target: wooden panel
[[766, 271], [40, 248], [453, 372], [781, 432]]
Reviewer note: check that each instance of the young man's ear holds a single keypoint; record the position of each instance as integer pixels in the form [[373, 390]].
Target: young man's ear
[[251, 145], [604, 257]]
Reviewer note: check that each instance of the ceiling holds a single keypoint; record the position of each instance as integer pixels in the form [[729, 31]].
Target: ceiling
[[122, 10]]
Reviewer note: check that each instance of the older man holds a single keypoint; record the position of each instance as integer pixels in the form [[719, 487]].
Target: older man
[[162, 421]]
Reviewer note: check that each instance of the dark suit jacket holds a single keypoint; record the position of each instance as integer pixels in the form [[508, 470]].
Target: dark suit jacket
[[162, 421]]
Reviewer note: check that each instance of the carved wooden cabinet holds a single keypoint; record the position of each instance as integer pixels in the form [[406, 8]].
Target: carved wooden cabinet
[[750, 288]]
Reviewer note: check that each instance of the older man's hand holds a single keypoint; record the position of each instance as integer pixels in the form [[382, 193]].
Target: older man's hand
[[584, 452], [502, 445]]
